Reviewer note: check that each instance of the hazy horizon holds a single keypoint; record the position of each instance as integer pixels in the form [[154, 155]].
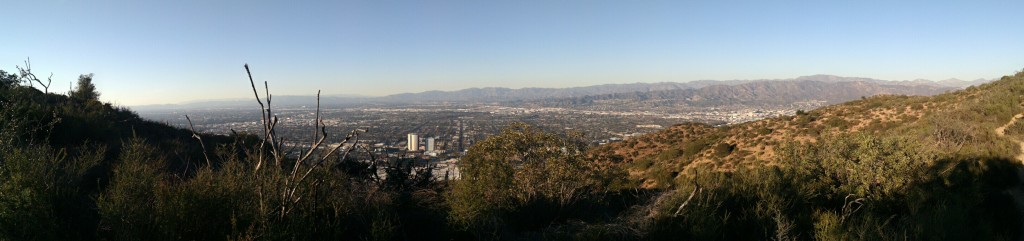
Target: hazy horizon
[[326, 93], [162, 53]]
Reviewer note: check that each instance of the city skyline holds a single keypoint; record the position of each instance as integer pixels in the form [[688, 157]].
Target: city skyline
[[160, 53]]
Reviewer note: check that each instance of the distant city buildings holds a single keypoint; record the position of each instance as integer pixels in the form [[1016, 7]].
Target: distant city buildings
[[448, 131]]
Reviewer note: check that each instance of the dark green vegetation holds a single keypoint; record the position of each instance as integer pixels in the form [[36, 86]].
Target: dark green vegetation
[[882, 168], [859, 187]]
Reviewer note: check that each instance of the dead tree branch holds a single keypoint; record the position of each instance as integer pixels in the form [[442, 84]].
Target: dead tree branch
[[196, 136], [28, 76], [267, 124], [291, 192], [682, 207], [696, 189], [848, 207]]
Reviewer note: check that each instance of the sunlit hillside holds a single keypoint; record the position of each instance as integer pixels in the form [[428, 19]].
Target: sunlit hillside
[[955, 124]]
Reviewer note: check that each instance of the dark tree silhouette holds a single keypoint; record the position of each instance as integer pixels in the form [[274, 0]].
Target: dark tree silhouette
[[8, 79], [85, 90]]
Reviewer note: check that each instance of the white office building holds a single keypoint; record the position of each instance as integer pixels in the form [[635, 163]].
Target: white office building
[[413, 144]]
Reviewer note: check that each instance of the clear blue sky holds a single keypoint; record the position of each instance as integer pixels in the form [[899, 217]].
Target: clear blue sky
[[150, 52]]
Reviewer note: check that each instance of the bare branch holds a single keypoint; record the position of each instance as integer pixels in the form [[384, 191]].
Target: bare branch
[[263, 116], [316, 117], [682, 207], [28, 76], [200, 139]]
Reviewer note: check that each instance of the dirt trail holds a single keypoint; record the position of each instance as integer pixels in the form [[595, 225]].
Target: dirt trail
[[1001, 131], [1016, 192]]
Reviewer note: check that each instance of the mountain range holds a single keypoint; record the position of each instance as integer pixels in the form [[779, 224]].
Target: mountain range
[[497, 94], [758, 93], [716, 91]]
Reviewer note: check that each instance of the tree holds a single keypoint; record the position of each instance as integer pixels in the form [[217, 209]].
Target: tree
[[8, 80], [30, 78], [85, 89], [521, 178]]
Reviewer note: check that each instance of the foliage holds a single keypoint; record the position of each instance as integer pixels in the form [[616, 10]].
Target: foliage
[[860, 187], [129, 201], [8, 80], [724, 149], [73, 168], [521, 179], [43, 190], [85, 90]]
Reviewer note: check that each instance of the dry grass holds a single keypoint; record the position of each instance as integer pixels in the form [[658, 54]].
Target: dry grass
[[756, 142]]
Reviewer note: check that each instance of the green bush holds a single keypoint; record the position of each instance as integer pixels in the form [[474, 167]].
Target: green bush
[[669, 154], [860, 187], [724, 149], [42, 190], [129, 205], [521, 179]]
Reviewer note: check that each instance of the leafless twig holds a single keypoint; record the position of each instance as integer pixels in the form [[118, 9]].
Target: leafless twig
[[199, 139], [848, 208], [265, 116], [696, 189], [290, 191], [28, 76]]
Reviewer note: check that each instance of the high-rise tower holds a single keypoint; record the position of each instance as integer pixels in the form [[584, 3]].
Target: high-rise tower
[[413, 144], [462, 137], [430, 144]]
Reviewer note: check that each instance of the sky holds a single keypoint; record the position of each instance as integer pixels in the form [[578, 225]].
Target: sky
[[158, 52]]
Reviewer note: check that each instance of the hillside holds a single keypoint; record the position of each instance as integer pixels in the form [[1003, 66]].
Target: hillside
[[890, 167], [33, 117], [59, 152], [881, 168], [960, 123]]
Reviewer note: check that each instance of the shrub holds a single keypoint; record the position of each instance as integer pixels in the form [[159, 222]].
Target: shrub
[[128, 206], [521, 179], [859, 187], [724, 149], [669, 154], [43, 194]]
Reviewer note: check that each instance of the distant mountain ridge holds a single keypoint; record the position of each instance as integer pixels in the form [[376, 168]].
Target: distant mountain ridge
[[759, 93], [503, 95], [953, 82], [971, 110], [509, 94], [497, 94]]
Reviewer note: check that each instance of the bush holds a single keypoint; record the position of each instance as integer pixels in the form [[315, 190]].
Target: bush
[[860, 187], [43, 193], [669, 154], [521, 179], [724, 149], [129, 205]]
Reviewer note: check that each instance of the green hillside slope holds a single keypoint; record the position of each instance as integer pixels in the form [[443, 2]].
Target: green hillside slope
[[956, 124], [880, 168]]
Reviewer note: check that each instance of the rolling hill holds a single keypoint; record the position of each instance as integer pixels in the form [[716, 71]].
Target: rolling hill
[[885, 167], [970, 114]]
